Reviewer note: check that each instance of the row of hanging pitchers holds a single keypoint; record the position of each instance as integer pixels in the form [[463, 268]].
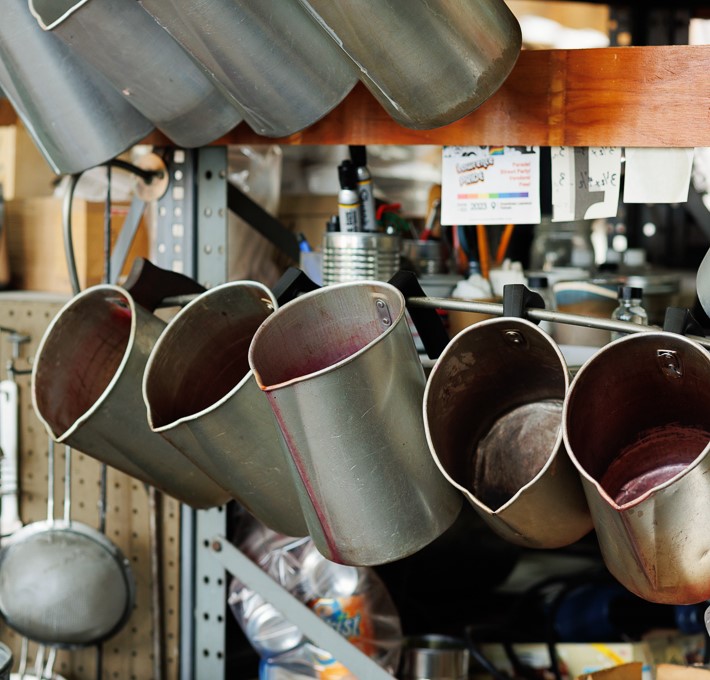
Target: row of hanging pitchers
[[318, 417]]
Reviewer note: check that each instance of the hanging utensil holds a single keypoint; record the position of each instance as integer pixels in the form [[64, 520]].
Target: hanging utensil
[[76, 118], [62, 583], [143, 62], [702, 283]]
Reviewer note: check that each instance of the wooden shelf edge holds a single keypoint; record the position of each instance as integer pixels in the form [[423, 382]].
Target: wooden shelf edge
[[620, 96]]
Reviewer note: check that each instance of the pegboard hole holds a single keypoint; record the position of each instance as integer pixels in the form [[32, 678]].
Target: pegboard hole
[[206, 616], [219, 655], [205, 652], [206, 579]]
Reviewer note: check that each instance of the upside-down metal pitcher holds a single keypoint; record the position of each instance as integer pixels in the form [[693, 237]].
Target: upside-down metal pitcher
[[637, 426], [343, 377]]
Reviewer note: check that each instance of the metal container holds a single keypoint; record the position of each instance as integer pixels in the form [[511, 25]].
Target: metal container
[[143, 62], [434, 657], [212, 409], [86, 390], [427, 63], [637, 427], [359, 256], [343, 377], [268, 55], [75, 116], [493, 418]]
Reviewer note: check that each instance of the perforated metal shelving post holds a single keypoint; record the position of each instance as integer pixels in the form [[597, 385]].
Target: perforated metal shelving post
[[191, 239]]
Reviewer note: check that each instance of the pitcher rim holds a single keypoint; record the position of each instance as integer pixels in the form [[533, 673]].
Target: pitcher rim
[[342, 362], [226, 397], [78, 422]]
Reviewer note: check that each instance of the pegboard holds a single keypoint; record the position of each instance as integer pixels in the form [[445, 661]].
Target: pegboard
[[129, 655]]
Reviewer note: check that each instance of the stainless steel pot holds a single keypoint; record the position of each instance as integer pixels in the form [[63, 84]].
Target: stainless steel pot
[[428, 63], [493, 418], [343, 377], [637, 427], [75, 116], [155, 75], [268, 55], [86, 390], [212, 409]]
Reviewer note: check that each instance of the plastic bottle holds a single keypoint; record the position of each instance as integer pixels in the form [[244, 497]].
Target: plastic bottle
[[629, 309], [540, 284], [358, 155], [348, 198]]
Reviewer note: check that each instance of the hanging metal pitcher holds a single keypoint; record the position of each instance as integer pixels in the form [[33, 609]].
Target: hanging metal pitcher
[[493, 417], [637, 426], [342, 375], [86, 390], [212, 409], [125, 44]]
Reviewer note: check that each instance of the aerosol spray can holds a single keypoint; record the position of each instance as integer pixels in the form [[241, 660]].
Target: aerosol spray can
[[358, 155], [348, 198]]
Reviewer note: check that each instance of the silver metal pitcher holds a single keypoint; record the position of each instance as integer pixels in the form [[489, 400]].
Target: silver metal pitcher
[[428, 63], [268, 55], [342, 375], [212, 409], [143, 62], [637, 426], [493, 418], [75, 116], [86, 390]]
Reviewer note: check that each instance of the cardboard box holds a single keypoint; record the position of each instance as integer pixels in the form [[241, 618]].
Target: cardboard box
[[36, 243], [24, 173]]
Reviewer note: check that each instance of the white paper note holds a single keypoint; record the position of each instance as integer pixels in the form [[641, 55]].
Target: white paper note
[[490, 185], [585, 182], [657, 175]]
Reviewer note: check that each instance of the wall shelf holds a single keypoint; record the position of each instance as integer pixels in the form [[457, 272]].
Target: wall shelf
[[615, 96]]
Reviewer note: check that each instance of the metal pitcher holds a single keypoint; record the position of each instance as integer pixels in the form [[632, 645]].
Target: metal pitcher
[[637, 426], [75, 116], [124, 43], [428, 63], [268, 55], [342, 375], [86, 390], [212, 409], [493, 418]]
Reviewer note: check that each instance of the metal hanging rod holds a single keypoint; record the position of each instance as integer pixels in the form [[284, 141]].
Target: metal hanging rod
[[496, 309]]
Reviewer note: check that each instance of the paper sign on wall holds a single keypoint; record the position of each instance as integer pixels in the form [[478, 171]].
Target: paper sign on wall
[[657, 175], [490, 185], [585, 182]]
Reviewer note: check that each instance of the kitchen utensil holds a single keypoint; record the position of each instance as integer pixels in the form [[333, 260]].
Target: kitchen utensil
[[493, 419], [212, 409], [62, 583], [86, 390], [434, 657], [343, 377], [76, 118], [702, 283], [268, 55], [143, 62], [428, 64], [9, 475], [637, 428]]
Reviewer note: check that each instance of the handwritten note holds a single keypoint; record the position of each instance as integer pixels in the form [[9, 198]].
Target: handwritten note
[[585, 182], [490, 185], [657, 175]]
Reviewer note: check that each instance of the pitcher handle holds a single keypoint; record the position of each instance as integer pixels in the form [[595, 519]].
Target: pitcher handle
[[149, 284]]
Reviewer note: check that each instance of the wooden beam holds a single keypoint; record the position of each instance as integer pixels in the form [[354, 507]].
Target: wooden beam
[[621, 96]]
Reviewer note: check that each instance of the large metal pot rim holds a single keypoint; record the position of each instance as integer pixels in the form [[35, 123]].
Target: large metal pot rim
[[79, 297], [563, 364], [636, 337], [304, 299], [217, 290]]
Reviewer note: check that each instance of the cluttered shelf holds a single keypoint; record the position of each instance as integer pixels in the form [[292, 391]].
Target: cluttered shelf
[[628, 96]]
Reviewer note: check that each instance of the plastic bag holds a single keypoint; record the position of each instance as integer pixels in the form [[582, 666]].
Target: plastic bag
[[353, 600]]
